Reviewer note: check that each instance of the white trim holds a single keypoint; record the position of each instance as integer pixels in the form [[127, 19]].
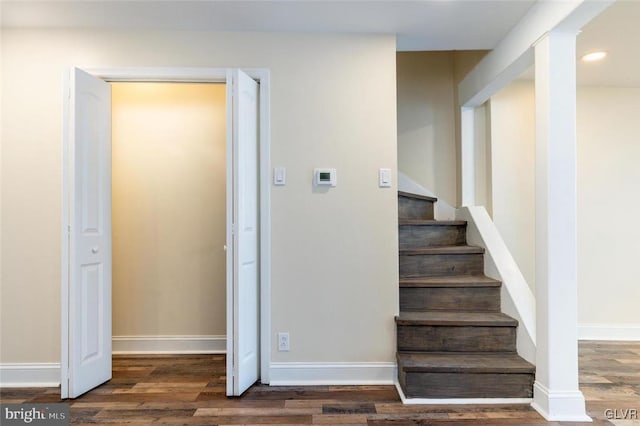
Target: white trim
[[32, 375], [67, 125], [517, 299], [458, 401], [556, 393], [335, 373], [264, 77], [621, 332], [559, 406], [169, 345], [186, 75], [514, 53], [467, 156], [229, 248], [194, 75]]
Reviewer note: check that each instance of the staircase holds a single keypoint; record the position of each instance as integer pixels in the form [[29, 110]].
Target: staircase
[[453, 341]]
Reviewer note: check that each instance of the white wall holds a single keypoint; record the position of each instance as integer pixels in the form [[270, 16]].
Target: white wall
[[169, 209], [334, 254], [608, 176], [513, 172], [608, 205]]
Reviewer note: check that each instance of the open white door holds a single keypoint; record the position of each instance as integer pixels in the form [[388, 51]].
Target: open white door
[[89, 196], [244, 327]]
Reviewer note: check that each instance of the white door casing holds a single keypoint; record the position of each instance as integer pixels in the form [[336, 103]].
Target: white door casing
[[245, 324], [88, 102], [88, 153]]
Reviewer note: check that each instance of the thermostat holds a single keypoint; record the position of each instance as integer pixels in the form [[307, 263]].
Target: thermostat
[[324, 177]]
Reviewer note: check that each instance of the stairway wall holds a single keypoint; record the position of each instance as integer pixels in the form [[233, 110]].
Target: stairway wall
[[427, 92]]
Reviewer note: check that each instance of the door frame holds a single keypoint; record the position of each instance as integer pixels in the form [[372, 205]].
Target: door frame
[[184, 75]]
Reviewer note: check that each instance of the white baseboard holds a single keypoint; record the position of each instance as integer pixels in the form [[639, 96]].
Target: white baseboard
[[628, 332], [129, 345], [31, 375], [563, 406], [458, 401], [341, 373]]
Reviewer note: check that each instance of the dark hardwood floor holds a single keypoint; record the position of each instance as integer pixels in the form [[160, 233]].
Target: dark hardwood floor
[[189, 389]]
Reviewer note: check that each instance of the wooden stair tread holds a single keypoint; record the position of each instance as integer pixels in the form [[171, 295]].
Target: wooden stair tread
[[452, 340], [456, 318], [416, 196], [464, 362], [450, 281], [441, 250], [429, 222]]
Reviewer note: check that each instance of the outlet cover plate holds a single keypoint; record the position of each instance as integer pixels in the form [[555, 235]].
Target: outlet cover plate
[[283, 342]]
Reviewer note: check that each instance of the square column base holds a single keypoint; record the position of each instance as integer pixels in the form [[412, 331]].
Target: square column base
[[562, 406]]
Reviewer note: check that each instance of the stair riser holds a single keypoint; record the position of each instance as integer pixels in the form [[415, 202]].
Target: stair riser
[[415, 236], [466, 385], [452, 340], [450, 298], [431, 265], [430, 338], [411, 208]]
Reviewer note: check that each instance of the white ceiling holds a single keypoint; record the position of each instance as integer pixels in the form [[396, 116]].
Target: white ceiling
[[616, 30], [419, 25]]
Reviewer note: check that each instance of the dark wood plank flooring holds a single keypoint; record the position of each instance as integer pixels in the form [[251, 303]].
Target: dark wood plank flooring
[[190, 389]]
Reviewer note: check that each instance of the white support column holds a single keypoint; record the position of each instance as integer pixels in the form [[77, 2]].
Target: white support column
[[556, 393], [467, 156]]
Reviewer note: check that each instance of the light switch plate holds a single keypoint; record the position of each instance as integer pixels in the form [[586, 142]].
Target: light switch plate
[[279, 176], [384, 178]]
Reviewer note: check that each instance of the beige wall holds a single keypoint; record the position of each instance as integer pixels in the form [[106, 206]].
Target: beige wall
[[169, 208], [426, 132], [428, 117], [607, 175], [334, 254], [608, 205], [483, 156], [513, 172]]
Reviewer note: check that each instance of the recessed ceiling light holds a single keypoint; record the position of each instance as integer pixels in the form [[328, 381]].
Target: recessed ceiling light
[[594, 56]]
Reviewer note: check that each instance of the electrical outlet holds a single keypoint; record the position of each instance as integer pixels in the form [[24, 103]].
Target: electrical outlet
[[283, 342]]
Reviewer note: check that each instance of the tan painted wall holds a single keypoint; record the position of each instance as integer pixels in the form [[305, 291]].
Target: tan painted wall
[[169, 208], [428, 115], [333, 104], [607, 176], [513, 172], [483, 156]]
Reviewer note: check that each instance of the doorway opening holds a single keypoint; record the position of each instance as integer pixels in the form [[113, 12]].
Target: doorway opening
[[168, 144], [86, 329]]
